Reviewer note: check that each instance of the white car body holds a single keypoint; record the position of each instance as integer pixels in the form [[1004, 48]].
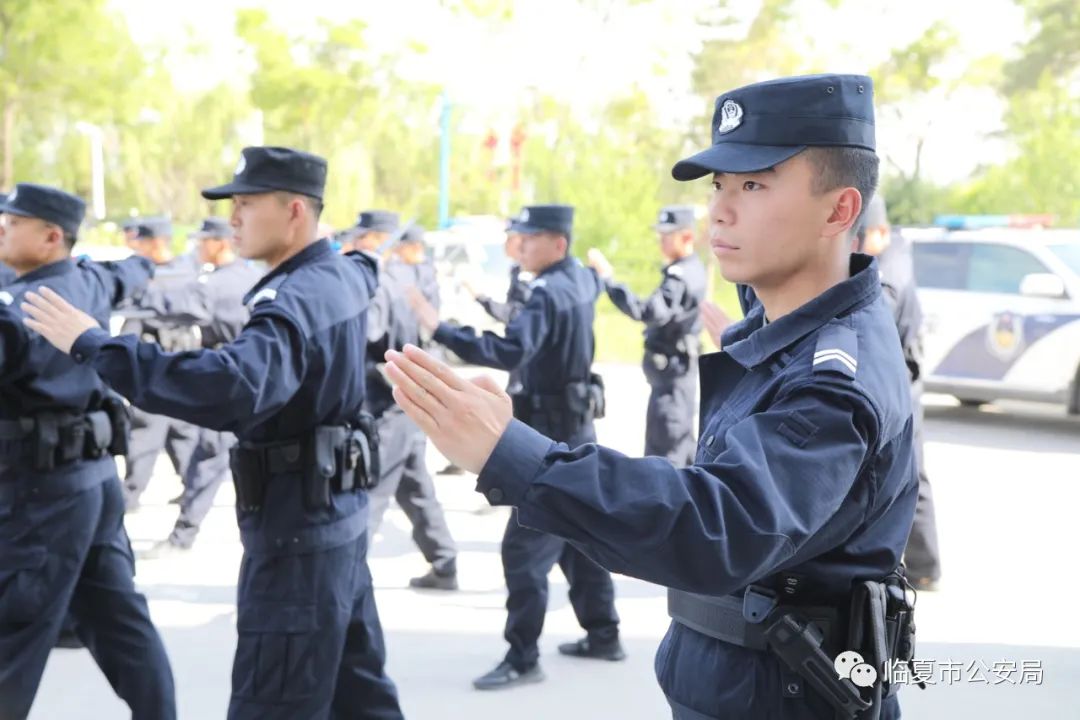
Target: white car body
[[1001, 313]]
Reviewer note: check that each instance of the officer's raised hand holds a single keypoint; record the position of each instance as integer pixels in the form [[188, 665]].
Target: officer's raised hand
[[55, 318], [600, 264], [464, 419], [715, 321]]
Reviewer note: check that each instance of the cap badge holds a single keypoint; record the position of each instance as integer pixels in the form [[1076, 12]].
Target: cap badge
[[524, 216], [242, 165], [13, 195], [731, 114]]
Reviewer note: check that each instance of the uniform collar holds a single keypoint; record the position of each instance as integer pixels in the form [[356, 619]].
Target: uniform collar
[[310, 253], [60, 267], [751, 342], [680, 261], [563, 264]]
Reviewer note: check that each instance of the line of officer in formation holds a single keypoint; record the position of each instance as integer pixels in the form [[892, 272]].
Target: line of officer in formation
[[672, 319], [402, 447], [309, 640], [781, 545], [793, 395]]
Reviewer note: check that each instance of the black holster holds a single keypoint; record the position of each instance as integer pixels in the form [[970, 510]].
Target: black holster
[[333, 459], [120, 420], [57, 439]]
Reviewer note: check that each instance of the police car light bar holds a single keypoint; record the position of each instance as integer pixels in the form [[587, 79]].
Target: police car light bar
[[979, 222]]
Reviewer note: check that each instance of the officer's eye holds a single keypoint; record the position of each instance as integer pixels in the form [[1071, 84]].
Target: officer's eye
[[716, 186], [751, 185]]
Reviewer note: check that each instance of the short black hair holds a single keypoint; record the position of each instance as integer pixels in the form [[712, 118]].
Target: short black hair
[[837, 167], [315, 205]]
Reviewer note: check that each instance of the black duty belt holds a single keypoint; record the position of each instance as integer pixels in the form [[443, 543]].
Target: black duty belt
[[742, 620]]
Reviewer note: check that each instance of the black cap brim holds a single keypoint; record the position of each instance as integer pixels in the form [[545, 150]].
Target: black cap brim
[[526, 229], [12, 210], [223, 192], [730, 157]]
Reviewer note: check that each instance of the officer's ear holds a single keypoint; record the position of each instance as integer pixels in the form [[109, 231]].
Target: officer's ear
[[562, 244], [54, 237], [847, 204]]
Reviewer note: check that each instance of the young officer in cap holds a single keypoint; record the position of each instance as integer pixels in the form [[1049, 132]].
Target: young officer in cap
[[374, 229], [214, 303], [392, 325], [921, 558], [517, 293], [150, 434], [61, 508], [672, 325], [291, 389], [802, 493], [551, 343]]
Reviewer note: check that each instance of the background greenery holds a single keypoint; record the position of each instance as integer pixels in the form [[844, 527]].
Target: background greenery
[[64, 61]]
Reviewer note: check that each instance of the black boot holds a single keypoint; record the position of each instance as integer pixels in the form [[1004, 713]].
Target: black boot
[[435, 580], [506, 676], [594, 649]]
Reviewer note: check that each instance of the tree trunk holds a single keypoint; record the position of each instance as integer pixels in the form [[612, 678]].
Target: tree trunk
[[8, 178]]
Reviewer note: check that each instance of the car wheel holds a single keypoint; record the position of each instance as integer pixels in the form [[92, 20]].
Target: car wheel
[[1074, 399], [969, 403]]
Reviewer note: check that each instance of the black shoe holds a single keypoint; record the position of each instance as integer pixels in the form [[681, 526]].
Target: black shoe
[[505, 676], [432, 580], [451, 469], [586, 648], [163, 549], [179, 499], [68, 640]]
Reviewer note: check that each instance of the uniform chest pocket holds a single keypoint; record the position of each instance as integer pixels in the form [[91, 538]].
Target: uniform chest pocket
[[713, 438]]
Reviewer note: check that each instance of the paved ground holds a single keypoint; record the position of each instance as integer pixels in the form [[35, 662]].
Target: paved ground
[[1008, 489]]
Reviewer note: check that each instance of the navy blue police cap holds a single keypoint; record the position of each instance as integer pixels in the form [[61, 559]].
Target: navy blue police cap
[[153, 227], [47, 203], [269, 169], [536, 219], [213, 227], [675, 217], [759, 126], [413, 234], [377, 221]]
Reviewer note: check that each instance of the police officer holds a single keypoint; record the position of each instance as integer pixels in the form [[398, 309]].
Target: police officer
[[7, 275], [213, 303], [291, 387], [402, 447], [672, 323], [875, 237], [61, 508], [373, 231], [781, 545], [150, 434], [551, 343], [517, 294]]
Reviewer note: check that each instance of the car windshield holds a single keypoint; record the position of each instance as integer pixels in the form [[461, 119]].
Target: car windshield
[[1069, 254]]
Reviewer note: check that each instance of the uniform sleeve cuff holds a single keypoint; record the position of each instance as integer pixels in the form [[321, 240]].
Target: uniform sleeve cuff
[[86, 346], [444, 334], [516, 461]]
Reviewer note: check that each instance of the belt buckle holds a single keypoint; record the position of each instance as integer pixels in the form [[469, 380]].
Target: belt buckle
[[758, 602]]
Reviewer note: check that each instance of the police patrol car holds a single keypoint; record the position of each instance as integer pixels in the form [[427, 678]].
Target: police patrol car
[[1002, 313]]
